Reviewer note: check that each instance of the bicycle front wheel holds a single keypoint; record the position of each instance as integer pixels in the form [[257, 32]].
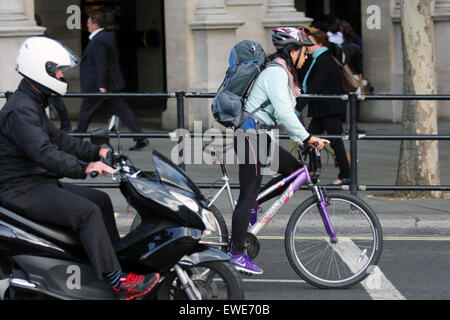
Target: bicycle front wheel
[[320, 261]]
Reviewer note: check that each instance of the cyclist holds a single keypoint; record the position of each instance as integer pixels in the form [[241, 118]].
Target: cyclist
[[271, 101]]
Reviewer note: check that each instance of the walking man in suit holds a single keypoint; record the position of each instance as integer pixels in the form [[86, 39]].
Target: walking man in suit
[[100, 72]]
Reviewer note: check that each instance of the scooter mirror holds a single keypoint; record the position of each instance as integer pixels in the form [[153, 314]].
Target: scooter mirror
[[100, 137], [114, 124]]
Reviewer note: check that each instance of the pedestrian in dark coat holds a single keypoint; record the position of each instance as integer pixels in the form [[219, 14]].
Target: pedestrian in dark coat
[[323, 77], [100, 72]]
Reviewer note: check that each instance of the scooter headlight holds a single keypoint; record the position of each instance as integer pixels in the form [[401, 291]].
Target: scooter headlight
[[186, 201], [210, 222], [207, 216]]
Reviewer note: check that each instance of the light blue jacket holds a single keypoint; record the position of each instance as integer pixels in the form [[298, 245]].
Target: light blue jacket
[[273, 84]]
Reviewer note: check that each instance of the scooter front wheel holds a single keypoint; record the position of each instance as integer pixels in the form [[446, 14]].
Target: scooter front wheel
[[213, 280]]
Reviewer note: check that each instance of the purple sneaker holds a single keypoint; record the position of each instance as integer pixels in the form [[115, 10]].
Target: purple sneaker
[[243, 263], [254, 213]]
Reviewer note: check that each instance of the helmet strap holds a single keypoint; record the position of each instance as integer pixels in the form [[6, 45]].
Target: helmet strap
[[298, 59], [33, 86]]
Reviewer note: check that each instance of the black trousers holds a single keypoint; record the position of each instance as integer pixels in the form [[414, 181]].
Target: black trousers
[[116, 106], [333, 126], [86, 211], [250, 180]]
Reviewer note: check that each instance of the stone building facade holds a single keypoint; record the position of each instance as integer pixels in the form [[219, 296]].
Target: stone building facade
[[198, 36]]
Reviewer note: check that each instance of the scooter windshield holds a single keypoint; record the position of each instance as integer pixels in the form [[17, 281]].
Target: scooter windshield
[[171, 174]]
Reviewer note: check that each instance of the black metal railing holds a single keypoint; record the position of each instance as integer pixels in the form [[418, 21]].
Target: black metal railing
[[353, 137]]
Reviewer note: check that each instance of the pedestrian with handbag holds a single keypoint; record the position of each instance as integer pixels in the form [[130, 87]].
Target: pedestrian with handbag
[[323, 77]]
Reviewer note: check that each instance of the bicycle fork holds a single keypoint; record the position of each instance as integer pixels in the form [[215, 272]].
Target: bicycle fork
[[322, 207]]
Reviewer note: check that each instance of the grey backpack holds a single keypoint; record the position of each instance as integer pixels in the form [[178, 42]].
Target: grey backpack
[[247, 60]]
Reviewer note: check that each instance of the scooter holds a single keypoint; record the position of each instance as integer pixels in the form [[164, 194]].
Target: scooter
[[39, 261]]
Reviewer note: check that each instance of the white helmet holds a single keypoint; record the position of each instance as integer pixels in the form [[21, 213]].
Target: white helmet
[[38, 59]]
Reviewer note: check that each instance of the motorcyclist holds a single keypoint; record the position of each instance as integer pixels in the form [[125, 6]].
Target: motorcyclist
[[34, 155]]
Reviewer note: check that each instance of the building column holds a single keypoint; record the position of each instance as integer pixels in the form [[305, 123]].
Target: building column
[[214, 35], [282, 13], [15, 27], [382, 60], [441, 17]]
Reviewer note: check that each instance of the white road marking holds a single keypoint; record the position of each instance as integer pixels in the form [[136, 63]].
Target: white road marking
[[380, 288], [376, 284]]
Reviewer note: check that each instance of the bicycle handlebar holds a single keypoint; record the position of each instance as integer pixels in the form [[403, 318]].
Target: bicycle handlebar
[[311, 157]]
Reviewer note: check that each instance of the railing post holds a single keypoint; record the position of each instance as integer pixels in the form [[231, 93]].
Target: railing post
[[180, 121], [347, 119], [180, 109], [353, 101]]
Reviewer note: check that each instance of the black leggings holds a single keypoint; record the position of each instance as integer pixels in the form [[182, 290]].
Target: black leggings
[[333, 126], [250, 180]]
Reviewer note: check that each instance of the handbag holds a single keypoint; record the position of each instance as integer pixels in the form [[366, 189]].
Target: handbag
[[349, 82]]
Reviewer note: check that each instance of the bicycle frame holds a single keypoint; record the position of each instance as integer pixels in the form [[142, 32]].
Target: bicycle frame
[[299, 177], [226, 186]]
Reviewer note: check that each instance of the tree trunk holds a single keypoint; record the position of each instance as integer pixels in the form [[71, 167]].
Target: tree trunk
[[419, 160]]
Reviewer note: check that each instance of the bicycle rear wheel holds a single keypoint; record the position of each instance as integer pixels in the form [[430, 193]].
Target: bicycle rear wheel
[[221, 236], [334, 265]]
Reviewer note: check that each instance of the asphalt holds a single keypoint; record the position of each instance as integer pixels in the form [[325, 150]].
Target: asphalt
[[377, 165]]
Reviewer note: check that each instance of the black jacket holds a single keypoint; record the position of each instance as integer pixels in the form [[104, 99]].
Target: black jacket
[[32, 149], [353, 57], [324, 78], [100, 66]]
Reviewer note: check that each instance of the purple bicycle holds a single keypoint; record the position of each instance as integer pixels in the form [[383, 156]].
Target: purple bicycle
[[332, 240]]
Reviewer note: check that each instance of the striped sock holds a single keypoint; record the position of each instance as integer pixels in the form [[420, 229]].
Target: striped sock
[[114, 278]]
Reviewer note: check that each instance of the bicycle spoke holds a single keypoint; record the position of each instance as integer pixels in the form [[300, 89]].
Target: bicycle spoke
[[320, 260], [311, 247], [336, 263]]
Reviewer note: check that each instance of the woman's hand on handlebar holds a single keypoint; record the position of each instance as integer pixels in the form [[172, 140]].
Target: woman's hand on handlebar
[[99, 167], [317, 143]]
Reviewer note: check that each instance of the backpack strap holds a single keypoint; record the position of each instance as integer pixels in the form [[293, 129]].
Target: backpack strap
[[261, 107], [265, 103]]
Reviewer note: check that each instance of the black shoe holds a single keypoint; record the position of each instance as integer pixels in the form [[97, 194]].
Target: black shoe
[[132, 286], [140, 144], [361, 131]]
